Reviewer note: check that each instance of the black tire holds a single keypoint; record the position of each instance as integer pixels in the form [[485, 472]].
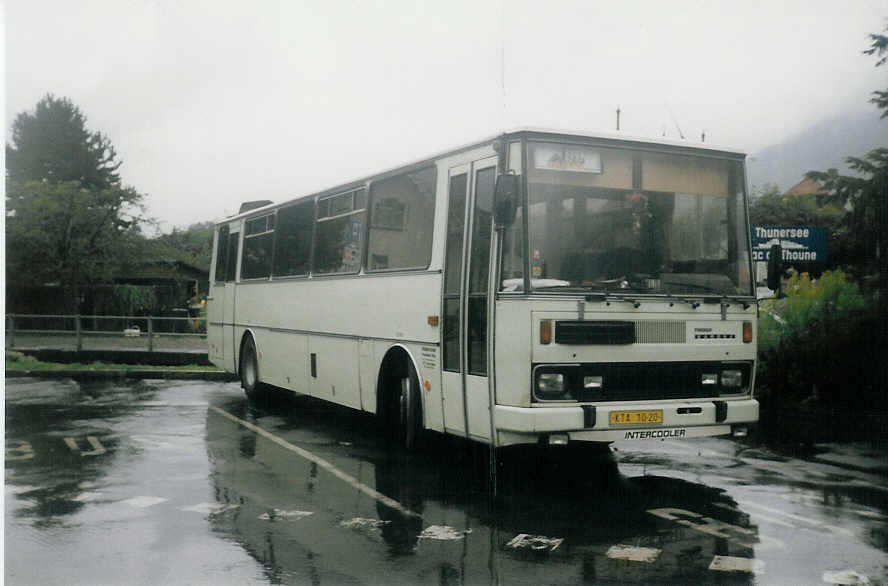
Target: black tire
[[406, 409], [249, 371]]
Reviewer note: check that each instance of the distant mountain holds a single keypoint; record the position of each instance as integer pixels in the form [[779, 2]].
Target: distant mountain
[[818, 148]]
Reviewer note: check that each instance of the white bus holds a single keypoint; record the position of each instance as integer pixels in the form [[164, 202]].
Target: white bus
[[535, 287]]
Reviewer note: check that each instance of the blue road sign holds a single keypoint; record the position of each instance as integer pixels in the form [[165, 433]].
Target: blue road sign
[[799, 243]]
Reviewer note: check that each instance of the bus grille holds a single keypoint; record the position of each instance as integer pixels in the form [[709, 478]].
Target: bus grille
[[649, 381], [660, 332]]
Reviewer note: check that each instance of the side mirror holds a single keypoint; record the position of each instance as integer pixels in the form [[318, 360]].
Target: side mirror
[[775, 267], [506, 199]]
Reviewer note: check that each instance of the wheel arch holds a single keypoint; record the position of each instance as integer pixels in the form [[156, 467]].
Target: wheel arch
[[248, 333], [396, 357]]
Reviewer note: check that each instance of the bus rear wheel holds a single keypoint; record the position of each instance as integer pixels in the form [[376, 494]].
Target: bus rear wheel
[[249, 370]]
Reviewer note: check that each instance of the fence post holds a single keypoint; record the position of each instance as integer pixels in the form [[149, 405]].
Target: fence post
[[79, 329], [150, 334], [12, 330]]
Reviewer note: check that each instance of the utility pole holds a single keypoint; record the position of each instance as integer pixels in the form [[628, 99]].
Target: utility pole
[[618, 118], [703, 136]]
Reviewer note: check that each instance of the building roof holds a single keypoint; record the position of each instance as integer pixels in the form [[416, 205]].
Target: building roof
[[806, 186], [171, 270]]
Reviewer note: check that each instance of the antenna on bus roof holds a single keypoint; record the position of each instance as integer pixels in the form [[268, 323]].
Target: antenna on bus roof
[[677, 127]]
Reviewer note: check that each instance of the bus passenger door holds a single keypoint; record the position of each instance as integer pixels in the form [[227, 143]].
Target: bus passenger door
[[227, 303], [466, 271]]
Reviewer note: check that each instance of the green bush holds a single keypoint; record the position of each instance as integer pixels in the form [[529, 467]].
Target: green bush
[[830, 298], [821, 342]]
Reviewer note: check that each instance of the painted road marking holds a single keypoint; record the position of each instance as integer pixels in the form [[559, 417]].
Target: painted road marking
[[813, 522], [443, 533], [88, 497], [143, 502], [535, 542], [634, 554], [170, 404], [276, 514], [347, 478], [209, 508], [726, 563], [363, 522], [18, 450], [846, 577], [706, 525], [97, 448]]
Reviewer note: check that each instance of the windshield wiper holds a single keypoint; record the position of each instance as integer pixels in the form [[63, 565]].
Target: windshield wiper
[[608, 297], [570, 288], [724, 298], [692, 302]]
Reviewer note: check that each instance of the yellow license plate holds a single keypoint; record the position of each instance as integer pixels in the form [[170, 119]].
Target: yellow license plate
[[636, 417]]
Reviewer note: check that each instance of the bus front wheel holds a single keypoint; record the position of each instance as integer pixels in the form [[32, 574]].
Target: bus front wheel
[[405, 409]]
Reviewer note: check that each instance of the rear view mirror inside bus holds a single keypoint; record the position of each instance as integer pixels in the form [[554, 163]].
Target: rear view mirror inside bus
[[506, 199]]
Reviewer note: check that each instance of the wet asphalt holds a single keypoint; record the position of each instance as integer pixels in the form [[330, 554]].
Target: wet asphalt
[[186, 482]]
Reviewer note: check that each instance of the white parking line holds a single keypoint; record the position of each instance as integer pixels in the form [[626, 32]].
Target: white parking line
[[535, 542], [362, 523], [276, 514], [726, 563], [143, 502], [97, 448], [443, 533], [209, 508], [347, 478], [793, 516], [634, 554], [845, 577]]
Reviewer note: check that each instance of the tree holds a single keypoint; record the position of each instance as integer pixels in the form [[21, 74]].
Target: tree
[[770, 207], [865, 196], [70, 222], [53, 144], [193, 244], [879, 48]]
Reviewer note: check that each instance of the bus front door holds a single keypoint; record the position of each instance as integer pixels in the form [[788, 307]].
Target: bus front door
[[466, 272]]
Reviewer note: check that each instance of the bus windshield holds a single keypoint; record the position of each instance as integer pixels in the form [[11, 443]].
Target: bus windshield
[[630, 221]]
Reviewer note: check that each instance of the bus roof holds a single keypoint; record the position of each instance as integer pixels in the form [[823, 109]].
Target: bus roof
[[625, 139]]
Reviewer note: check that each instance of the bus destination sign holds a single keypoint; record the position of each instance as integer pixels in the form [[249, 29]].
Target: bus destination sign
[[799, 243]]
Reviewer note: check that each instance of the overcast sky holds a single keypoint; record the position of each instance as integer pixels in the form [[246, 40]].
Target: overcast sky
[[213, 103]]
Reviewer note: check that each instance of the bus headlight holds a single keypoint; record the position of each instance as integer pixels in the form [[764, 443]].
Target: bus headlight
[[550, 383], [554, 383], [731, 379]]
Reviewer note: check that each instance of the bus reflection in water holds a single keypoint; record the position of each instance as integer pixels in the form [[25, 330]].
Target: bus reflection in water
[[534, 287], [302, 524]]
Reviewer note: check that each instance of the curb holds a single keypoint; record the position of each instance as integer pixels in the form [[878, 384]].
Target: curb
[[86, 375]]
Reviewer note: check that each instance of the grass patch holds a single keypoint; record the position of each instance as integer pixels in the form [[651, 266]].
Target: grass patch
[[19, 361]]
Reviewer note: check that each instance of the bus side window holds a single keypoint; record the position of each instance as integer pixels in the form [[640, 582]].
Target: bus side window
[[338, 231], [231, 269], [258, 239], [292, 249], [221, 253], [402, 211]]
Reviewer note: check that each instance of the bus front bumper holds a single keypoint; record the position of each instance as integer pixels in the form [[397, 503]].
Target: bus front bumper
[[521, 425]]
